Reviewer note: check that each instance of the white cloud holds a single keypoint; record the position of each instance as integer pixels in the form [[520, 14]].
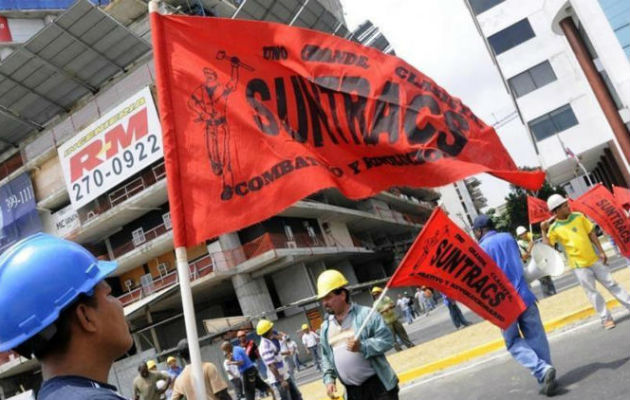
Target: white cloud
[[440, 39]]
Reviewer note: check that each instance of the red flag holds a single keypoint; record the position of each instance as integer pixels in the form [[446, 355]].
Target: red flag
[[257, 115], [600, 205], [537, 210], [622, 196], [446, 258]]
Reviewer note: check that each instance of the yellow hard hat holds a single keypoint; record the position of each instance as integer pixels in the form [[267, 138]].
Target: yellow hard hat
[[263, 326], [151, 364], [304, 326], [330, 280], [170, 359], [376, 289]]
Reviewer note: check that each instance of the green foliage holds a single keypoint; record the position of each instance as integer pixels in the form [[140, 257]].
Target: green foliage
[[516, 207]]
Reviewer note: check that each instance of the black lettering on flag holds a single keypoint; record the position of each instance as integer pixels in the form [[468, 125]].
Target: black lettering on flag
[[259, 87], [355, 92], [386, 114]]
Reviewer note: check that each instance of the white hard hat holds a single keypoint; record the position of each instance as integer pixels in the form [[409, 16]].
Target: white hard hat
[[160, 384], [554, 201], [520, 230]]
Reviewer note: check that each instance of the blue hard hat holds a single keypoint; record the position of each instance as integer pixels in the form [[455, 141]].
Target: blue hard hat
[[482, 221], [40, 276]]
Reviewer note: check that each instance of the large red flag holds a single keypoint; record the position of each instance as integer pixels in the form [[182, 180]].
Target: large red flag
[[257, 115], [622, 195], [600, 205], [537, 210], [444, 257]]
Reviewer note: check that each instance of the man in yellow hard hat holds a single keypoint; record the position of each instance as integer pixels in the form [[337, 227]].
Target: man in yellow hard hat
[[310, 340], [387, 308], [358, 362], [271, 355]]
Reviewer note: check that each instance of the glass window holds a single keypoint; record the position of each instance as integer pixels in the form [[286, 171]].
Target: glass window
[[618, 14], [480, 6], [542, 74], [535, 77], [563, 118], [511, 36], [553, 122]]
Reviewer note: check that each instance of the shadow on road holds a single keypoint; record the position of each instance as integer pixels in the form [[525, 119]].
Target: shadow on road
[[580, 373]]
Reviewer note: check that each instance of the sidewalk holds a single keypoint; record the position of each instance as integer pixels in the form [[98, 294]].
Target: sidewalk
[[480, 339]]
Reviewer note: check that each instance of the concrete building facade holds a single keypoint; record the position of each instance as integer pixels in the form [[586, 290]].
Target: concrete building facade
[[78, 71], [566, 65]]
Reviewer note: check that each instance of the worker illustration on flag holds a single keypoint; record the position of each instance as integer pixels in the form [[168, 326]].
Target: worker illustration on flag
[[209, 101]]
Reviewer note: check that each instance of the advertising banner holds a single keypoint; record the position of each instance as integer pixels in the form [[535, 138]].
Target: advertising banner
[[66, 221], [18, 213], [113, 148]]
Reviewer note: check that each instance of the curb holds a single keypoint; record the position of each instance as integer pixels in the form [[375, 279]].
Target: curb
[[494, 345]]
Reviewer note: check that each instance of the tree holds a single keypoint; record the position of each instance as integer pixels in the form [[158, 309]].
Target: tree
[[516, 206]]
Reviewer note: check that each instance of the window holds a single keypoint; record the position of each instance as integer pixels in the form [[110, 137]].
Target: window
[[532, 79], [556, 121], [511, 36], [480, 6]]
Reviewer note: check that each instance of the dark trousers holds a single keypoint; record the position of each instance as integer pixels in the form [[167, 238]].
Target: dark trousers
[[253, 381], [223, 395], [456, 315], [372, 389], [398, 330], [290, 393], [547, 286]]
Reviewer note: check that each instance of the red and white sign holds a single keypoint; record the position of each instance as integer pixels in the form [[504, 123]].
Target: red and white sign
[[113, 148]]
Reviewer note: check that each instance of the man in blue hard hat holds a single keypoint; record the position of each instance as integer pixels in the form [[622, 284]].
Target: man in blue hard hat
[[67, 317]]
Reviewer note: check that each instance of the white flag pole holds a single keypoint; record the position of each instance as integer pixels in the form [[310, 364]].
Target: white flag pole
[[190, 321]]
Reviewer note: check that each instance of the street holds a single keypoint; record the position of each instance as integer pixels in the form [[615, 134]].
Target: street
[[438, 323], [591, 363]]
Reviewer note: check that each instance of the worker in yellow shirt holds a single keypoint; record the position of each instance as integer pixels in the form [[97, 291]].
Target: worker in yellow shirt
[[576, 234]]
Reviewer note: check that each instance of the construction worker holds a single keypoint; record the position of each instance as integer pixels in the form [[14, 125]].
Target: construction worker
[[272, 357], [525, 243], [150, 384], [358, 362], [310, 340], [525, 338], [577, 235], [66, 312], [387, 308], [216, 387]]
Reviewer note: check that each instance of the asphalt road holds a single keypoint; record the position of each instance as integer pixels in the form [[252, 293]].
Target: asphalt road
[[592, 364], [438, 323]]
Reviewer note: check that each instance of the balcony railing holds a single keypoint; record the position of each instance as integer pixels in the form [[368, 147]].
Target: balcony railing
[[109, 200], [226, 260], [148, 236], [199, 268]]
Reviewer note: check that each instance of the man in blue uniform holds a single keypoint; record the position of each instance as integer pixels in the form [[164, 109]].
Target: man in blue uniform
[[525, 339]]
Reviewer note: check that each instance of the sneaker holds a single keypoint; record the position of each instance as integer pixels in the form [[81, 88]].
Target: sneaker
[[608, 324], [549, 383]]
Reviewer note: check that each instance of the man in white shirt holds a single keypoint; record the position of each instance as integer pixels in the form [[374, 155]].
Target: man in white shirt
[[235, 377], [311, 341], [272, 357]]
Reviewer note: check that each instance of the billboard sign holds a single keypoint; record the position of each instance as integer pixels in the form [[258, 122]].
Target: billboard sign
[[18, 213], [113, 148], [66, 221]]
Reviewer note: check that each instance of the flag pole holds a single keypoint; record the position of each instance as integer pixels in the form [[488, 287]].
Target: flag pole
[[386, 288], [183, 274]]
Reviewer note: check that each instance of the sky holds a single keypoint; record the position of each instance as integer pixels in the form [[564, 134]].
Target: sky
[[439, 38]]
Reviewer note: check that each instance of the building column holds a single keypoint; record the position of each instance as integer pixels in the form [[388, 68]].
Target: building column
[[232, 250], [617, 172], [253, 297], [597, 85], [607, 172], [154, 337]]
